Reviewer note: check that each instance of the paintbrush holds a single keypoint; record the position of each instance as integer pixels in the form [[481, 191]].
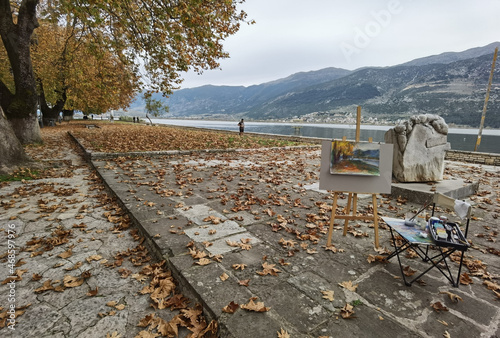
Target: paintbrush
[[410, 222]]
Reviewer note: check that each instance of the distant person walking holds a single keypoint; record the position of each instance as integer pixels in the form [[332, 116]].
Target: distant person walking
[[241, 124]]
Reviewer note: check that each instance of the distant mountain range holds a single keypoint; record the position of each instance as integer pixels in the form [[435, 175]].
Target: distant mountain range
[[452, 85]]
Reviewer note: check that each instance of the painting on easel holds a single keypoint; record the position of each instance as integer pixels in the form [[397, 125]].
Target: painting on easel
[[355, 158]]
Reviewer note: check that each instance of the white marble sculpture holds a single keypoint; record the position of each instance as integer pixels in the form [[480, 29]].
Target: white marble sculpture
[[420, 146]]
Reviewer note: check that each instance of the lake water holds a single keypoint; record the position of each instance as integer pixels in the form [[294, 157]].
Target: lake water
[[460, 139]]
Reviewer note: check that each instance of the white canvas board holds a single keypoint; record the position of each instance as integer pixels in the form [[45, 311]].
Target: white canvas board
[[357, 184]]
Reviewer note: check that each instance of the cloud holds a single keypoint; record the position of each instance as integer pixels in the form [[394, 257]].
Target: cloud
[[292, 36]]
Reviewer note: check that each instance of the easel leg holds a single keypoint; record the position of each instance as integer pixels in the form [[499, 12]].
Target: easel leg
[[375, 219], [347, 211], [332, 219]]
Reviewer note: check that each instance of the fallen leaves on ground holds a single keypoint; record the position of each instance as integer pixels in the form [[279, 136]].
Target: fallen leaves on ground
[[72, 281], [47, 285], [465, 279], [438, 307], [231, 307], [256, 307], [20, 310], [349, 286], [454, 297], [268, 269], [376, 258], [408, 271], [109, 138], [244, 282], [328, 294], [239, 266], [347, 311], [283, 334]]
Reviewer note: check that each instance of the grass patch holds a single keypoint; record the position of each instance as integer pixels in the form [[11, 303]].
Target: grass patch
[[22, 174], [356, 302]]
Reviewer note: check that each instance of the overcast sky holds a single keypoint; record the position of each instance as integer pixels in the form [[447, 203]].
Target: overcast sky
[[291, 36]]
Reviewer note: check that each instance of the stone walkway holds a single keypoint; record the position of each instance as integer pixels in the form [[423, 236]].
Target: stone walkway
[[250, 228], [79, 265]]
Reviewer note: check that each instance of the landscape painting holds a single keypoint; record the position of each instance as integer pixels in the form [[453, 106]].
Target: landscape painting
[[355, 158]]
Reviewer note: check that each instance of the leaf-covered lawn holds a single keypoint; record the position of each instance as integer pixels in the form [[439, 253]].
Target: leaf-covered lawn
[[127, 138]]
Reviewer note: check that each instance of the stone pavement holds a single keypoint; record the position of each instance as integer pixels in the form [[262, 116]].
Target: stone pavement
[[249, 228], [79, 266]]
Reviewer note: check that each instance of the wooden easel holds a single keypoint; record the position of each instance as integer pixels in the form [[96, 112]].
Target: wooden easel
[[352, 200]]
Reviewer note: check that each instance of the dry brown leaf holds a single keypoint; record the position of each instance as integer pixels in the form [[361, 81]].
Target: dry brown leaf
[[268, 269], [94, 258], [454, 298], [210, 331], [224, 277], [120, 307], [347, 311], [139, 277], [66, 254], [204, 261], [256, 307], [382, 251], [47, 285], [446, 334], [231, 307], [92, 293], [244, 282], [147, 334], [349, 286], [331, 248], [239, 266], [328, 294], [113, 335], [375, 258], [491, 285], [438, 306], [196, 254], [408, 271], [36, 277], [465, 279], [147, 320], [232, 243], [283, 334], [283, 263], [112, 303]]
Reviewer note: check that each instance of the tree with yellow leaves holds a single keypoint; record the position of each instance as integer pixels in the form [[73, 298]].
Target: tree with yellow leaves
[[158, 40]]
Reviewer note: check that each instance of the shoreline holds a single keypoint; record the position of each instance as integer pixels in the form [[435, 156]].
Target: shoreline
[[456, 129]]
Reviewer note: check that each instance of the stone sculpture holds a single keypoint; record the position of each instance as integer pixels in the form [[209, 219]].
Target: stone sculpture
[[420, 146]]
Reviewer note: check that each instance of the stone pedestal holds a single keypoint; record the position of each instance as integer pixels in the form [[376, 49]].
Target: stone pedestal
[[420, 146]]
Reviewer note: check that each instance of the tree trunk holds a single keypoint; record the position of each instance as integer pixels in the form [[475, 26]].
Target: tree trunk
[[50, 113], [68, 114], [27, 129], [11, 151], [16, 39]]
